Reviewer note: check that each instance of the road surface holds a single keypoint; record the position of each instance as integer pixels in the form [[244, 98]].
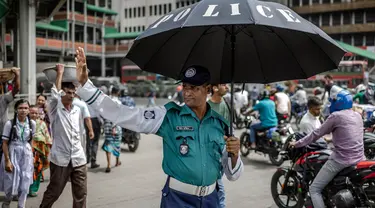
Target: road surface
[[137, 183]]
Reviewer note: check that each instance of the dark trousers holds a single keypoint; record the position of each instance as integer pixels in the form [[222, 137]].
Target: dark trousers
[[59, 178], [172, 199], [92, 144]]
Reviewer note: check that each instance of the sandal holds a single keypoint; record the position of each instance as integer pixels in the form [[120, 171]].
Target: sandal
[[118, 164], [107, 170]]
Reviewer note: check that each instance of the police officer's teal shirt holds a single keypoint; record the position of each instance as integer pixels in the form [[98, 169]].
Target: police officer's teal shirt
[[267, 111], [194, 150]]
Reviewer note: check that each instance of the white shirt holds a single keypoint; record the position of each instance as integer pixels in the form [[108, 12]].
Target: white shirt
[[300, 97], [240, 99], [83, 106], [282, 103], [309, 123], [66, 130]]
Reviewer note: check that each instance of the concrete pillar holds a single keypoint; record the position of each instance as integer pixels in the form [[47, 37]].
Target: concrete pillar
[[103, 48], [85, 25], [114, 67], [73, 28], [27, 49], [3, 42]]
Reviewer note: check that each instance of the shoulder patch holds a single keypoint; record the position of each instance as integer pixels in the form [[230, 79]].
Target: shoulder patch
[[172, 105]]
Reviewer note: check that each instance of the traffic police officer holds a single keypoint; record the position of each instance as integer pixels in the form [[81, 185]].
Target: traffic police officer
[[195, 147]]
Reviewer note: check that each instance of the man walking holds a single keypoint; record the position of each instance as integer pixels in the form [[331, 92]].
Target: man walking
[[7, 98], [219, 105], [67, 156], [93, 143], [195, 141]]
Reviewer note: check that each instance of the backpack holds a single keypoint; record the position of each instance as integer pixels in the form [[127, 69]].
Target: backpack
[[12, 134]]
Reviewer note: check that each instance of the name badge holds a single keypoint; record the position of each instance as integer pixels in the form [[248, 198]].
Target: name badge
[[184, 128]]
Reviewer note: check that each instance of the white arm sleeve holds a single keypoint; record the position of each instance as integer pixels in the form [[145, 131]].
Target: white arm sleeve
[[231, 173], [143, 120]]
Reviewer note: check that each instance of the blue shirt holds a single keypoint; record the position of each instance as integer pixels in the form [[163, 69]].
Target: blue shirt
[[267, 111]]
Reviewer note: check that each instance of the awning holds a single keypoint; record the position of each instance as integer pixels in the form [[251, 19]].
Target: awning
[[100, 9], [4, 9], [110, 30], [357, 51], [46, 26], [122, 36]]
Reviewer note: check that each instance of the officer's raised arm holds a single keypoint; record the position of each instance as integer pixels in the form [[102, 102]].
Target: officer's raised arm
[[144, 120]]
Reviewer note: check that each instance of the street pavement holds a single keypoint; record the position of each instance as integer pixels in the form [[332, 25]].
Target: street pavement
[[138, 181]]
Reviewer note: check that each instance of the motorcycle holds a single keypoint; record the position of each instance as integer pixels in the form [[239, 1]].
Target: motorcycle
[[352, 187], [369, 144], [131, 138], [269, 141]]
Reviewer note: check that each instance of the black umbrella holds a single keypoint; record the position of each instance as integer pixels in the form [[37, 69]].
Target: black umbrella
[[239, 41]]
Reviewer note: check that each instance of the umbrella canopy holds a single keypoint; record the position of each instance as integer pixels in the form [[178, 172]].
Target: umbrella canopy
[[239, 41]]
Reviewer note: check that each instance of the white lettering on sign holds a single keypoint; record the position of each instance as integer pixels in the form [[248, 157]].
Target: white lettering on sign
[[164, 19], [260, 9], [288, 15], [210, 11], [182, 14], [235, 9]]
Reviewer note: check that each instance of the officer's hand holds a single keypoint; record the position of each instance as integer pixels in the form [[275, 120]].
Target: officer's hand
[[233, 145]]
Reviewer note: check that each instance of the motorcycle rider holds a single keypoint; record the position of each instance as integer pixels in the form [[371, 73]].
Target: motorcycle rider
[[299, 99], [310, 121], [282, 101], [347, 137], [268, 119], [364, 97]]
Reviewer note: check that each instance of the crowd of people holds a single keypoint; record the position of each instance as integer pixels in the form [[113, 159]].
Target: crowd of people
[[62, 133]]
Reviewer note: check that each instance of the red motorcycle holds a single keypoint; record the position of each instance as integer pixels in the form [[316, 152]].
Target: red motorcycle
[[352, 187]]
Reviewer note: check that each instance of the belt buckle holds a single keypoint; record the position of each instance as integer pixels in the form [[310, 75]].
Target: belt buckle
[[202, 192]]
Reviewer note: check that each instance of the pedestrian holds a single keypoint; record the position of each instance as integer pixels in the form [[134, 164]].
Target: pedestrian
[[7, 98], [151, 98], [112, 135], [195, 145], [16, 172], [85, 121], [219, 105], [67, 158], [92, 144], [41, 145]]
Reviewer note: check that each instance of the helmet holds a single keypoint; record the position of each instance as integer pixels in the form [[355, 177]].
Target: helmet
[[265, 94], [340, 99], [279, 88], [360, 88], [300, 87]]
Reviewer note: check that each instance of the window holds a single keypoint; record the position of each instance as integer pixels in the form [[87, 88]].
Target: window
[[347, 38], [139, 12], [295, 2], [326, 1], [134, 29], [126, 29], [336, 18], [370, 15], [110, 4], [336, 1], [305, 2], [143, 11], [143, 28], [126, 13], [182, 4], [139, 28], [358, 39], [165, 9], [370, 39], [135, 12], [130, 29], [102, 3], [155, 10], [315, 1], [325, 19], [358, 16], [169, 7], [315, 19], [150, 10], [130, 13], [160, 9], [347, 18], [178, 5]]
